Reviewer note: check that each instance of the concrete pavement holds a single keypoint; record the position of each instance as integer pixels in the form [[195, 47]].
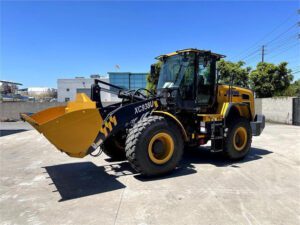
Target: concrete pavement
[[40, 185]]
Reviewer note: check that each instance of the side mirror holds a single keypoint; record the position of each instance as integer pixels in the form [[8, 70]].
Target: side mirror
[[152, 70]]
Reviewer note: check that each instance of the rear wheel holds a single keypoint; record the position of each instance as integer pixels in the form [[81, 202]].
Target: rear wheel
[[114, 147], [154, 146], [239, 138]]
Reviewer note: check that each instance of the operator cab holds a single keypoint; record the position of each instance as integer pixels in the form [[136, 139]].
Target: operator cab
[[187, 79]]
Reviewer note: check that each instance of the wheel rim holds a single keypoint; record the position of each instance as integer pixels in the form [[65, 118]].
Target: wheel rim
[[161, 148], [240, 138]]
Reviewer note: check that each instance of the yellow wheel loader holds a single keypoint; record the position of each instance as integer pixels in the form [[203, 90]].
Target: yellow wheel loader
[[151, 130]]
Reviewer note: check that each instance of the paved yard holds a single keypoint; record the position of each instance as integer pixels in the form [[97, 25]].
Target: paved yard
[[40, 185], [8, 128]]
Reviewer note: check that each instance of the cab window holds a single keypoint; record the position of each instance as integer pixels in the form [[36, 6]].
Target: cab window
[[205, 81]]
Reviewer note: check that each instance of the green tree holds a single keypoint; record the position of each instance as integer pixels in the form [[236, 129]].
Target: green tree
[[152, 79], [235, 71], [296, 86], [268, 79], [293, 89]]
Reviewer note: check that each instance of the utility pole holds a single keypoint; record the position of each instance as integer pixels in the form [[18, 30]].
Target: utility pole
[[262, 53]]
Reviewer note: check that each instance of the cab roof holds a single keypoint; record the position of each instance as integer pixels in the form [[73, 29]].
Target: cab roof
[[218, 56]]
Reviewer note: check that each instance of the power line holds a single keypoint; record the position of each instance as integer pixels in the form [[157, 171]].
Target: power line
[[294, 58], [285, 50], [252, 53], [279, 47], [285, 44], [290, 46], [284, 32], [278, 36], [284, 41], [254, 59], [254, 56], [272, 31], [295, 35]]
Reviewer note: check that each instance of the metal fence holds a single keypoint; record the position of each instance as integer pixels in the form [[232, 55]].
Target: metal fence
[[296, 111]]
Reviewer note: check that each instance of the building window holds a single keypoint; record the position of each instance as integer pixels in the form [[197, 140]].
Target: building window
[[128, 80], [68, 89], [67, 99]]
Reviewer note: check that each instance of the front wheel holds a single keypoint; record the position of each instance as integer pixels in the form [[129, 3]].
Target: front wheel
[[238, 140], [154, 146]]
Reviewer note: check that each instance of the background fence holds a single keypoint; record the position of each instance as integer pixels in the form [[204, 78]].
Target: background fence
[[296, 111], [280, 110], [12, 110]]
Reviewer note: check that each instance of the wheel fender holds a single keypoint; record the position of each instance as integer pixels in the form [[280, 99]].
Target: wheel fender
[[242, 108], [175, 120]]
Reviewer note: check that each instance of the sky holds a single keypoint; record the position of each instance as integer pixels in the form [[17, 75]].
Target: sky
[[42, 41]]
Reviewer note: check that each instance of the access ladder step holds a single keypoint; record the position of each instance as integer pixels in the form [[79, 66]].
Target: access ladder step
[[216, 150], [217, 138]]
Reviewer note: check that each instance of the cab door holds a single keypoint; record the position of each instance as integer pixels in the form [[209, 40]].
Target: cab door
[[206, 79]]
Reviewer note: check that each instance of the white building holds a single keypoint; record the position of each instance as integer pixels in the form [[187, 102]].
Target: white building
[[68, 88]]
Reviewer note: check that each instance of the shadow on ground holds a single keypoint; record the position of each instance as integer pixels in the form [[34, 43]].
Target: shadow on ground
[[9, 132], [77, 180], [204, 156]]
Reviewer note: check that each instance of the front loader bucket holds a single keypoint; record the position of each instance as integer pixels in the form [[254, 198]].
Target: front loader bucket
[[72, 128]]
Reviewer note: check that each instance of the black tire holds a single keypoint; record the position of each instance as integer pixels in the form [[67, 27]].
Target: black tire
[[114, 147], [139, 151], [237, 146]]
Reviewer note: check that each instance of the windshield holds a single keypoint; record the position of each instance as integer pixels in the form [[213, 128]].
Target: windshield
[[174, 69]]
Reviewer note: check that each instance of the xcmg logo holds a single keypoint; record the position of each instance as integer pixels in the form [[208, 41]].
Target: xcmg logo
[[143, 107]]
